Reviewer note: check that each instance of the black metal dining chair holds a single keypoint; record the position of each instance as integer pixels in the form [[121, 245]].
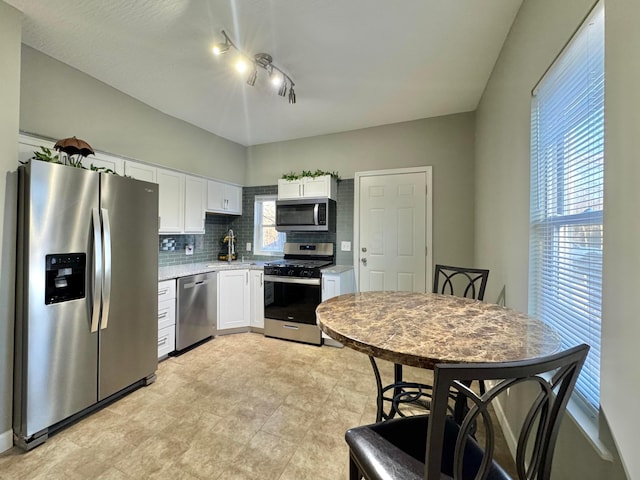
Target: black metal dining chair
[[448, 280], [434, 447]]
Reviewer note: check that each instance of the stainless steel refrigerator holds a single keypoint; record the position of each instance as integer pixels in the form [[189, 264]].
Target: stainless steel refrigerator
[[86, 294]]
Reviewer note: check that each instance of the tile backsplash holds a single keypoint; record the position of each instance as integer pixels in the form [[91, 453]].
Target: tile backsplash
[[208, 245]]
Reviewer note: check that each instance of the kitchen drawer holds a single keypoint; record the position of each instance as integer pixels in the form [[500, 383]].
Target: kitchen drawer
[[166, 313], [166, 290], [166, 340]]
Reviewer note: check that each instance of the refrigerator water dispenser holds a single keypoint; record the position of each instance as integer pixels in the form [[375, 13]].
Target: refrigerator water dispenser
[[65, 277]]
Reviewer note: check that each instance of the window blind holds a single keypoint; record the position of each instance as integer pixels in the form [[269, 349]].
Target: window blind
[[567, 170]]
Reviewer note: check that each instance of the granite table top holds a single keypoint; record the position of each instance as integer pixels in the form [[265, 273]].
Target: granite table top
[[423, 329]]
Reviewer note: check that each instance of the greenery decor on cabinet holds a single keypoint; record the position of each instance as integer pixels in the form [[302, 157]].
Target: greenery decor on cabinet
[[46, 155], [308, 173]]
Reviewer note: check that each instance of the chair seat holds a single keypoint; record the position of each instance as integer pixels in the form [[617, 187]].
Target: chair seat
[[395, 449]]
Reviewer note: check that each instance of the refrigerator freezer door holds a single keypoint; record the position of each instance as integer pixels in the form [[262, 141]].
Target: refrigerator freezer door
[[56, 353], [129, 336]]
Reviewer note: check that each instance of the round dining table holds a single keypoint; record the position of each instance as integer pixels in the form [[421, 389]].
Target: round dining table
[[424, 329]]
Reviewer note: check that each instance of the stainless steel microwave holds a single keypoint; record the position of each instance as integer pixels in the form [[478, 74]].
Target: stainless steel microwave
[[306, 215]]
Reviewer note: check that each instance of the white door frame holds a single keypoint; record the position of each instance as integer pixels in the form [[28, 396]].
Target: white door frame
[[428, 170]]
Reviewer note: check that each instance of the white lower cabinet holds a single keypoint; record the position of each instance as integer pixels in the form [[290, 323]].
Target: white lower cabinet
[[336, 281], [166, 317], [257, 299], [233, 299]]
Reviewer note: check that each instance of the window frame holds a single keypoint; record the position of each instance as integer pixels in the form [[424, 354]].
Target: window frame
[[551, 198], [258, 227]]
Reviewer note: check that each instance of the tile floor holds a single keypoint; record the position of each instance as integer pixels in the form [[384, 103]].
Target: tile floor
[[238, 407]]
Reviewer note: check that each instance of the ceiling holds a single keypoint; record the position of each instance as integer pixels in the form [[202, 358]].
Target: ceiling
[[355, 63]]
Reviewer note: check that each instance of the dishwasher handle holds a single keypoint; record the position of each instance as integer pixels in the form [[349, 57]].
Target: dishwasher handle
[[192, 282]]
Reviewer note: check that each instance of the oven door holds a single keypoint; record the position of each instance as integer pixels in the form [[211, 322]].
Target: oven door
[[291, 299]]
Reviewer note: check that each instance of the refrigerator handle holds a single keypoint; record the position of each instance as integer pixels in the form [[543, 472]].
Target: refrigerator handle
[[106, 284], [97, 270]]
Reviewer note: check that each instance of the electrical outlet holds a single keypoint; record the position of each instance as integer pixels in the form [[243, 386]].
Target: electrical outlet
[[345, 246], [248, 246]]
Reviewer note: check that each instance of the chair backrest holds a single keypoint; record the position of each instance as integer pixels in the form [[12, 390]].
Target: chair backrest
[[460, 281], [552, 380]]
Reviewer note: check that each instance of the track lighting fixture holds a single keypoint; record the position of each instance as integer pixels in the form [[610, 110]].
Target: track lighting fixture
[[278, 78]]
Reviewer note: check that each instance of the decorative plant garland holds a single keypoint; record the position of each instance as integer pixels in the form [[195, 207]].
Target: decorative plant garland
[[308, 173], [47, 155]]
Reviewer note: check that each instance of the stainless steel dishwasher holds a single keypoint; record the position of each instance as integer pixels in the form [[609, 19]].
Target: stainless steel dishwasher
[[197, 317]]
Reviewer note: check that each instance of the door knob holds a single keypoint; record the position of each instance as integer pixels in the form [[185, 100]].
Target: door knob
[[364, 261]]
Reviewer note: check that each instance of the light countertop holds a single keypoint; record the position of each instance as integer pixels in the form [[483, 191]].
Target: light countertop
[[186, 269], [337, 269]]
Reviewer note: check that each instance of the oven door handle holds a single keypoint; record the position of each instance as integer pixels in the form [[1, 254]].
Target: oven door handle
[[298, 280]]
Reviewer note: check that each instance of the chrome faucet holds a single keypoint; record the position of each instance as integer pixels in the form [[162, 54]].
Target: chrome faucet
[[230, 247]]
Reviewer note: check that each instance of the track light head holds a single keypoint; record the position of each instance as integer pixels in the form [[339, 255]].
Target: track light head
[[220, 48], [251, 80], [282, 91], [292, 95]]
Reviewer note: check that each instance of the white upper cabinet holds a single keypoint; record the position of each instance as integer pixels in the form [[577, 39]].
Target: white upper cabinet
[[27, 145], [224, 198], [308, 187], [104, 162], [140, 171], [195, 189], [181, 199], [171, 201]]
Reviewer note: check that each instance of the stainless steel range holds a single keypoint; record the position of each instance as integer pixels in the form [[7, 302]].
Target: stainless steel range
[[293, 291]]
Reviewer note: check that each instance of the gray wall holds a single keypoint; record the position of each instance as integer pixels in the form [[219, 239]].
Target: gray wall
[[10, 34], [446, 143], [58, 101], [620, 324], [539, 33]]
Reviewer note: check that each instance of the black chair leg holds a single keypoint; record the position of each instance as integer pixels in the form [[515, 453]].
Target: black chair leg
[[354, 472]]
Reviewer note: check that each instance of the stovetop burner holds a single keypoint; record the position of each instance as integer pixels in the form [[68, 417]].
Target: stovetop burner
[[299, 263], [302, 260]]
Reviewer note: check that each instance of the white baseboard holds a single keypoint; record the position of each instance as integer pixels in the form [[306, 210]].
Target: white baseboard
[[6, 440], [509, 437]]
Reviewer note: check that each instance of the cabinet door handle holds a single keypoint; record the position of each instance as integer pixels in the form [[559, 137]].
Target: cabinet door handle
[[162, 315], [163, 341], [261, 279]]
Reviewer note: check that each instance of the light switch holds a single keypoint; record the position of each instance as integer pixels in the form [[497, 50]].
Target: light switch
[[248, 246], [345, 246]]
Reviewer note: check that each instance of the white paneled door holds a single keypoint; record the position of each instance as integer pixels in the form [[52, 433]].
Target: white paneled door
[[393, 224]]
